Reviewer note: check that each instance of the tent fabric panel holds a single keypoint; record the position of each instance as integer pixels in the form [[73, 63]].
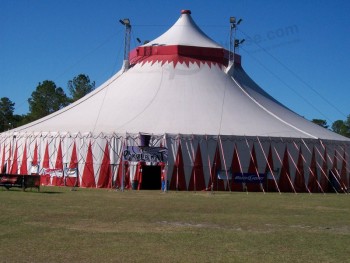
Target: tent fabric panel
[[88, 177], [178, 181], [197, 182]]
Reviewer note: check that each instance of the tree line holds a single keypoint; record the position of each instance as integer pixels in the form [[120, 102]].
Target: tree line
[[46, 99], [341, 127]]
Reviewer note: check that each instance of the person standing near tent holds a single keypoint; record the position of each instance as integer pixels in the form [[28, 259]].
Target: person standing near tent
[[163, 182]]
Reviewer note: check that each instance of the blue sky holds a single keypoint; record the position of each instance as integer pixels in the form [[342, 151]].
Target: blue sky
[[296, 50]]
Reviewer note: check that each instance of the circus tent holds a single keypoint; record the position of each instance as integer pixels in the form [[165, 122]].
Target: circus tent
[[179, 109]]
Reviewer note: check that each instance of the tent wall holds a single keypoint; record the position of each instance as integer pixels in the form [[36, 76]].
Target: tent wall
[[198, 152]]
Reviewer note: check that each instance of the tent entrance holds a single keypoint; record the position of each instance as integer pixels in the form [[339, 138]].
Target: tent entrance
[[151, 177]]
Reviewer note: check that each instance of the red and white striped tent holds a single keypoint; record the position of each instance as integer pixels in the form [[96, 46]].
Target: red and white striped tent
[[221, 130]]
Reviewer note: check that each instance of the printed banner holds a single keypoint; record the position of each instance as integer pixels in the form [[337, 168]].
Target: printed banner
[[249, 178], [224, 175], [53, 172], [71, 172], [146, 154]]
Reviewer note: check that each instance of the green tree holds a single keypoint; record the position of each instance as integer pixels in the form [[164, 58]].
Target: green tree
[[342, 127], [338, 126], [80, 86], [46, 99], [7, 108], [322, 123]]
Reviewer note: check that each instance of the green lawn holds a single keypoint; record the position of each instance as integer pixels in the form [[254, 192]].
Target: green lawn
[[94, 225]]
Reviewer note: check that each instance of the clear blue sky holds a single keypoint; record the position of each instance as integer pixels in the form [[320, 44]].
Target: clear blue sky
[[298, 51]]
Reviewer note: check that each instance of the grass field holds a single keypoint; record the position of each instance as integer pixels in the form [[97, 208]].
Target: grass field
[[93, 225]]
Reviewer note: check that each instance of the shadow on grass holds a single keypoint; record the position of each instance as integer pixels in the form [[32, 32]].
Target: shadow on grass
[[28, 191]]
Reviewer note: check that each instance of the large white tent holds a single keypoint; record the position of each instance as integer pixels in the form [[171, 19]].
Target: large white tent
[[215, 126]]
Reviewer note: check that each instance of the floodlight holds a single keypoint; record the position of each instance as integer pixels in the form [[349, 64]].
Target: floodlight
[[126, 21]]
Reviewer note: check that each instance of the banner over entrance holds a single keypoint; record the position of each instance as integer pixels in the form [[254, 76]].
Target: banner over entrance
[[145, 154]]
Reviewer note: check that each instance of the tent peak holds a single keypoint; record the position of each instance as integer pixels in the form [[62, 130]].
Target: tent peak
[[185, 11]]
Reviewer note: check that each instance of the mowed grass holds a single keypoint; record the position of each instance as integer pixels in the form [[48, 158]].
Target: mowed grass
[[95, 225]]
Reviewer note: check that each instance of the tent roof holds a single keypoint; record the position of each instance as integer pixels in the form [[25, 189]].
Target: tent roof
[[185, 32], [178, 92]]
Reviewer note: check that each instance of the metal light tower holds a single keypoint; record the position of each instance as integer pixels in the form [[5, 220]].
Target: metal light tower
[[234, 43], [126, 23]]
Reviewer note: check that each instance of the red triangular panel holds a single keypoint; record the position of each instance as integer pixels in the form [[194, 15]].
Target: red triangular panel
[[218, 185], [24, 169], [14, 168], [9, 160], [105, 177], [271, 182], [3, 160], [35, 155], [138, 174], [45, 178], [88, 179], [299, 179], [324, 181], [127, 183], [253, 169], [197, 181], [74, 158], [58, 181], [312, 183], [335, 176], [343, 174], [178, 181], [73, 164], [236, 169], [46, 161], [118, 181], [59, 162], [284, 183]]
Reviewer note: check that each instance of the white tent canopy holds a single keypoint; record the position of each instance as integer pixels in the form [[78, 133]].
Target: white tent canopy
[[179, 88]]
